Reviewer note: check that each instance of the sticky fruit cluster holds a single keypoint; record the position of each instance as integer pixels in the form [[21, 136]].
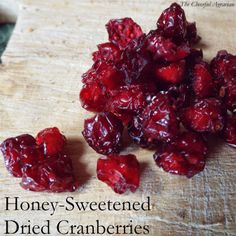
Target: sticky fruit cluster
[[41, 163], [162, 90]]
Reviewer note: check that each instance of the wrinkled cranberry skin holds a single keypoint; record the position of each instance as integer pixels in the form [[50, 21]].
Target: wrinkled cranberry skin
[[126, 102], [230, 130], [54, 174], [52, 140], [163, 49], [13, 149], [173, 73], [230, 95], [107, 52], [202, 82], [173, 24], [120, 172], [103, 133], [205, 115], [159, 120], [186, 156], [122, 31]]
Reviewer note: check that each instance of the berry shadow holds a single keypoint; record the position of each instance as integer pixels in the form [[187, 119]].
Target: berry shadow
[[75, 148], [143, 167]]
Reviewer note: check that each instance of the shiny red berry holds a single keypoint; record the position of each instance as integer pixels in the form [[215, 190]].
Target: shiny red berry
[[120, 172]]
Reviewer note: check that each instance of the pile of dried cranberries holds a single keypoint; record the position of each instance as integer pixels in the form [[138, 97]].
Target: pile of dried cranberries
[[155, 85], [160, 88]]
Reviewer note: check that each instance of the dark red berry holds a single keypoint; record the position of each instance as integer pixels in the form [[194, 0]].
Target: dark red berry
[[103, 133], [52, 141], [186, 156], [126, 102], [172, 73], [54, 174], [13, 149], [230, 130], [206, 115], [122, 31], [162, 49], [202, 83], [120, 172], [159, 120], [108, 52]]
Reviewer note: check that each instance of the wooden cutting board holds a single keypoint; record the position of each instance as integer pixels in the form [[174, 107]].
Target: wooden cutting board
[[40, 80]]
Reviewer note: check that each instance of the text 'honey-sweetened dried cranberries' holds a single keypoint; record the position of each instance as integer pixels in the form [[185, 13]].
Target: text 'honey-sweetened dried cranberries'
[[159, 88], [41, 162]]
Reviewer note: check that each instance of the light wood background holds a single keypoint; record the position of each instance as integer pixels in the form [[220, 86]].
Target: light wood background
[[40, 80]]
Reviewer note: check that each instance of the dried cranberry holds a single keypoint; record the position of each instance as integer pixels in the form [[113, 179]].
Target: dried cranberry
[[108, 52], [172, 73], [122, 31], [13, 149], [103, 133], [186, 156], [230, 130], [126, 102], [202, 81], [120, 172], [93, 97], [206, 115], [173, 24], [52, 140], [54, 174], [230, 95], [159, 119], [162, 49]]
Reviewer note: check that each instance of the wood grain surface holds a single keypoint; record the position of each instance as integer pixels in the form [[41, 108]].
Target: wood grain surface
[[40, 80]]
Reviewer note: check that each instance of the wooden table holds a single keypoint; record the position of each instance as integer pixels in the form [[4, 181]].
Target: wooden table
[[40, 82]]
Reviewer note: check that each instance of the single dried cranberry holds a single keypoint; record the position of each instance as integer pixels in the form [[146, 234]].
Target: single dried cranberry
[[230, 130], [206, 115], [230, 95], [202, 83], [13, 149], [186, 156], [172, 73], [54, 174], [108, 52], [162, 49], [52, 140], [120, 172], [126, 102], [173, 24], [103, 133], [218, 64], [135, 63], [159, 119], [122, 31], [93, 97]]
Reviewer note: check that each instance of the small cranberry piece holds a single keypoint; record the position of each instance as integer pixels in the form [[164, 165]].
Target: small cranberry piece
[[120, 172], [54, 174], [122, 31], [93, 97], [13, 149], [186, 156], [192, 36], [163, 49], [206, 115], [202, 83], [126, 102], [159, 120], [230, 130], [108, 52], [52, 140], [173, 73], [230, 95], [103, 133]]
